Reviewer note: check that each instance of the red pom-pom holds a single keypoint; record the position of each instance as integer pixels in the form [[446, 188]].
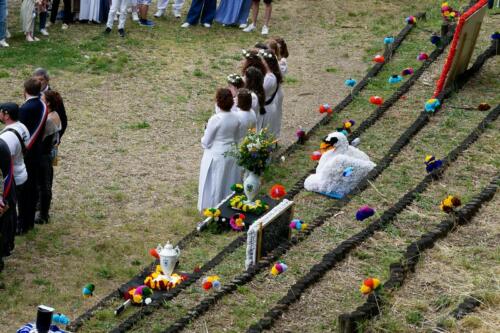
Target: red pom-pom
[[369, 283], [277, 191], [197, 269], [376, 100], [154, 253], [207, 285], [316, 155], [325, 108], [379, 59]]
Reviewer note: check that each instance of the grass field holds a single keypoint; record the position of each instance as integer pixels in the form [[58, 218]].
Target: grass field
[[128, 174]]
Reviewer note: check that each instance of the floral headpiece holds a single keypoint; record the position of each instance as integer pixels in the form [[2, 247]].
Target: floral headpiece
[[265, 54], [234, 78], [247, 54]]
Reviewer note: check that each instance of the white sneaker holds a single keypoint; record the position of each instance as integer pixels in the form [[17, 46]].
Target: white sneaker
[[265, 30], [251, 27], [64, 26], [29, 39], [159, 13], [44, 32], [243, 26], [36, 39], [135, 17], [177, 14], [7, 34], [207, 25], [185, 25], [3, 43]]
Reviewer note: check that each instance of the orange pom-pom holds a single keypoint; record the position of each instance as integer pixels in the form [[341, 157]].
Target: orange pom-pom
[[316, 155], [369, 283], [325, 108], [154, 253], [207, 285]]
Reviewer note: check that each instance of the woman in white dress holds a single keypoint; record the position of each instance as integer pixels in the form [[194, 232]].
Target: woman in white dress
[[219, 172], [89, 10], [254, 81], [245, 114], [274, 93]]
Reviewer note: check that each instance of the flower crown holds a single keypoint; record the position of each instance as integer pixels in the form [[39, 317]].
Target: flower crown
[[265, 54], [247, 54], [234, 78]]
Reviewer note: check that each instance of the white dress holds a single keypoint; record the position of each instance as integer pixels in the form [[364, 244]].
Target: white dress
[[248, 120], [89, 10], [272, 120], [217, 172]]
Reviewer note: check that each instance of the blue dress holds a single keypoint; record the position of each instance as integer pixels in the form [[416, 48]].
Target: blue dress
[[233, 12]]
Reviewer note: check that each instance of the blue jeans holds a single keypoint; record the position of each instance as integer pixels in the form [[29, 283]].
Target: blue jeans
[[3, 18], [201, 8]]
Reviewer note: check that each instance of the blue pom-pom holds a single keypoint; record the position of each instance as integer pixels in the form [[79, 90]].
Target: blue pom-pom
[[61, 319], [435, 39], [364, 212], [495, 36], [350, 83], [388, 40], [432, 104], [347, 171], [395, 79], [434, 165]]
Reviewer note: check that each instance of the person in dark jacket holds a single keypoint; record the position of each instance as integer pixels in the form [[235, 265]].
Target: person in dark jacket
[[7, 202], [33, 114], [42, 75]]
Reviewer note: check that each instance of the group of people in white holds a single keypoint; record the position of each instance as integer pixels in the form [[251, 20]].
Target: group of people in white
[[252, 100], [227, 13]]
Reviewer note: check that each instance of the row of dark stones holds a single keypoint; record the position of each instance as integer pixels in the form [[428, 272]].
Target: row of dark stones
[[351, 322], [335, 256], [247, 276], [77, 323]]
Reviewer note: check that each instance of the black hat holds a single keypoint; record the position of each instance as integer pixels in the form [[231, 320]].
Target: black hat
[[10, 108]]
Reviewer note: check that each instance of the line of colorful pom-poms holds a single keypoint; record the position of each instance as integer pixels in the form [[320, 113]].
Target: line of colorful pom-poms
[[211, 282], [297, 224], [369, 285], [450, 203], [278, 268]]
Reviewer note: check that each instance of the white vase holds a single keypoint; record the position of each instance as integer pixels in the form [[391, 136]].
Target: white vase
[[251, 186]]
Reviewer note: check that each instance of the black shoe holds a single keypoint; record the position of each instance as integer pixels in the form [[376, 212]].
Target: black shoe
[[121, 32], [107, 31]]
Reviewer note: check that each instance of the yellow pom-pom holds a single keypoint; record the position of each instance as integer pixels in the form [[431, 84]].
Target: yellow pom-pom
[[274, 271], [365, 289], [137, 298], [347, 125], [428, 158], [376, 283], [304, 226]]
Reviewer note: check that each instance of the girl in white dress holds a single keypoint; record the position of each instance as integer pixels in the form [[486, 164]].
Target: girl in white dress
[[278, 45], [274, 93], [246, 115], [218, 172], [254, 81]]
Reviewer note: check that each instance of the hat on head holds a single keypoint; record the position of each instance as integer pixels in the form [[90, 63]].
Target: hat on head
[[11, 108]]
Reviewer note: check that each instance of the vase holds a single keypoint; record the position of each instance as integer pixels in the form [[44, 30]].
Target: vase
[[251, 186]]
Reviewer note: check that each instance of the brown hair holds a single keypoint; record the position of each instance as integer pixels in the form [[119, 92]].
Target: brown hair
[[253, 60], [53, 99], [224, 99], [32, 87], [274, 66], [244, 99], [254, 81], [282, 48]]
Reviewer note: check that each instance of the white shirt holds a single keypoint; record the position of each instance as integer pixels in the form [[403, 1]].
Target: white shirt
[[223, 129], [16, 151], [248, 120], [270, 85]]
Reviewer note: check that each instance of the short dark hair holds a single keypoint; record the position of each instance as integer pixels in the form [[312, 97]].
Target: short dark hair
[[41, 72], [12, 109], [224, 99], [32, 87], [244, 99]]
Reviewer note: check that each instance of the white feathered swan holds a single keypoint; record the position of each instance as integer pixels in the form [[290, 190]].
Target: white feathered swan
[[330, 175]]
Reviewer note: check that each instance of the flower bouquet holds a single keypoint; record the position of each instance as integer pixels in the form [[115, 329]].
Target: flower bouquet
[[253, 154]]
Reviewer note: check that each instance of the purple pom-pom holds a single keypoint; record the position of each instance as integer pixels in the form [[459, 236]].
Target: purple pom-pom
[[364, 212]]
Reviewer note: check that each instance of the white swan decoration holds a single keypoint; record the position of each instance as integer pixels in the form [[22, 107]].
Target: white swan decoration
[[340, 169]]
